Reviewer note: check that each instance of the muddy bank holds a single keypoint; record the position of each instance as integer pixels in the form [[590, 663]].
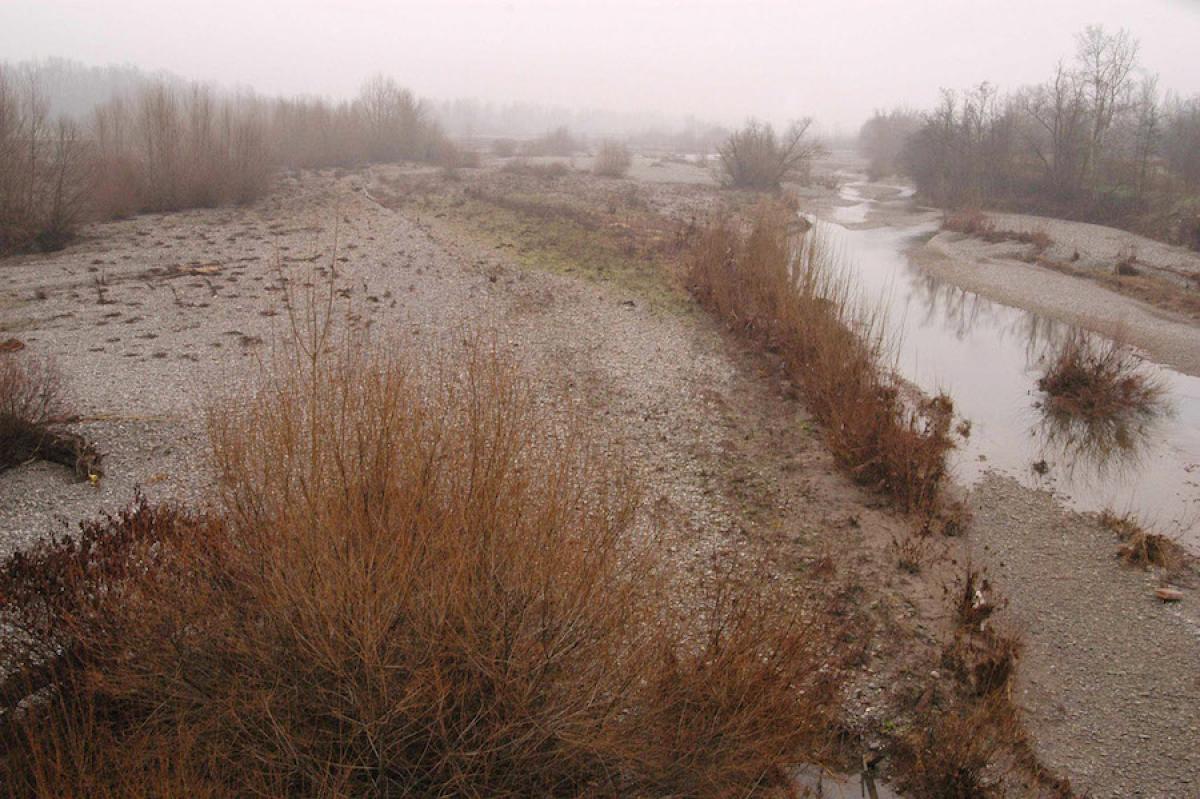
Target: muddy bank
[[976, 266]]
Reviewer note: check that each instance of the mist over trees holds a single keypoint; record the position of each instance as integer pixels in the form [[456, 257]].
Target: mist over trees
[[1097, 141]]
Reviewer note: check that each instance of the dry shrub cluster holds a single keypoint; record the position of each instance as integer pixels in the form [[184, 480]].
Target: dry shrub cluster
[[33, 412], [167, 147], [755, 157], [1097, 380], [544, 171], [783, 290], [974, 222], [612, 160], [420, 582]]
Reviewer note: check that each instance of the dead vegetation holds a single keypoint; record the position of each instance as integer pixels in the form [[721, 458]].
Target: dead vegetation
[[419, 581], [33, 415], [612, 160], [554, 220], [974, 222], [783, 291], [1098, 380], [44, 170], [1139, 547], [755, 157], [968, 740], [168, 146]]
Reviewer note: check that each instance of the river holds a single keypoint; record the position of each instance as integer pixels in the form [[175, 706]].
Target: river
[[988, 356]]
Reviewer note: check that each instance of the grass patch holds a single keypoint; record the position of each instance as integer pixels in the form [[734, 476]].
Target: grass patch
[[612, 239], [417, 581]]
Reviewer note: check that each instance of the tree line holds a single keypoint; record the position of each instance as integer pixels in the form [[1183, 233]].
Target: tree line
[[1098, 141], [168, 145]]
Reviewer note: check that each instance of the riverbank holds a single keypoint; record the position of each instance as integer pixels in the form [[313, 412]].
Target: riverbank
[[1107, 678], [578, 277], [1001, 272]]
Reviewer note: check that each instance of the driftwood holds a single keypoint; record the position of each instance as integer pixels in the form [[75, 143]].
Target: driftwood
[[22, 441]]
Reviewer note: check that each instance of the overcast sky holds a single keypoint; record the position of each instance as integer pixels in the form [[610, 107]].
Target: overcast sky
[[720, 60]]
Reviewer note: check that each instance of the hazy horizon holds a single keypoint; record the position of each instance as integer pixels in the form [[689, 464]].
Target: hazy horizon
[[717, 61]]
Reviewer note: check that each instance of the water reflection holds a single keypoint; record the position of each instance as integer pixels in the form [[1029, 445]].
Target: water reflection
[[989, 356], [1102, 407], [1095, 450]]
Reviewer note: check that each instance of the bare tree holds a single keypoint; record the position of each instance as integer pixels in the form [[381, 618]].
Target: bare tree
[[1059, 111], [1106, 64], [756, 158]]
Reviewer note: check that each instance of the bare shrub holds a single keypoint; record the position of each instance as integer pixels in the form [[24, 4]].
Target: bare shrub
[[612, 160], [33, 411], [783, 290], [451, 157], [1097, 380], [756, 158], [421, 582]]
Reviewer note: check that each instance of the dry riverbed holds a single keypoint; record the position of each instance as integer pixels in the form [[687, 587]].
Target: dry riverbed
[[150, 317]]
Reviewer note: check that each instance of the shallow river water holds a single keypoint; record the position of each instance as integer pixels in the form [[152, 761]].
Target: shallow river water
[[988, 357]]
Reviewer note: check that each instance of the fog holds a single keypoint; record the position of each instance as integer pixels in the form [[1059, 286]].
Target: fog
[[722, 61]]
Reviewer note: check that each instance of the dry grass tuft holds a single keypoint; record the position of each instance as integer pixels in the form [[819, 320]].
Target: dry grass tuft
[[1140, 547], [783, 291], [420, 582], [1094, 381]]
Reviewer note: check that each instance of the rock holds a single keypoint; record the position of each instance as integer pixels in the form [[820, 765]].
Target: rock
[[1167, 594]]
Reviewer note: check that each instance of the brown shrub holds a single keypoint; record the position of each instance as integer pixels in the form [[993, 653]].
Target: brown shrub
[[783, 291], [33, 411], [948, 757], [970, 221], [1096, 380], [546, 171], [973, 222], [612, 160], [422, 583]]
